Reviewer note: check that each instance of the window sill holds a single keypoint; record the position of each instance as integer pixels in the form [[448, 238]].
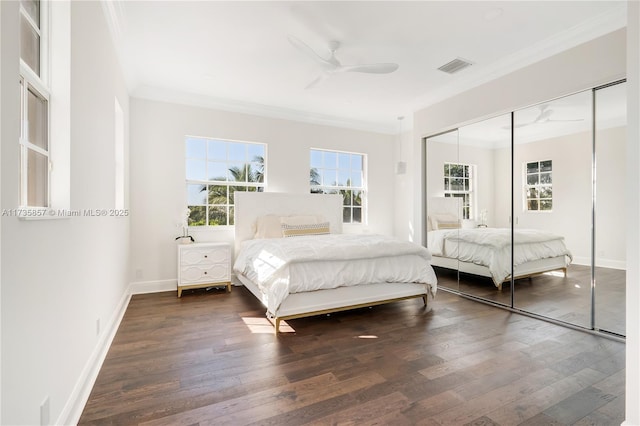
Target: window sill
[[197, 229]]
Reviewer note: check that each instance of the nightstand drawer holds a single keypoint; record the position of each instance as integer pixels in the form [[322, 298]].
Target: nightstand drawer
[[197, 256], [205, 273]]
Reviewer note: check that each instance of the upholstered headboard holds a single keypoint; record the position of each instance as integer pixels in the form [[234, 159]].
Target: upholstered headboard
[[249, 206], [443, 205]]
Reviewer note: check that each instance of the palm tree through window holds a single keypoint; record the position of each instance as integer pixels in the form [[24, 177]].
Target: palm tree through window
[[217, 169], [334, 172]]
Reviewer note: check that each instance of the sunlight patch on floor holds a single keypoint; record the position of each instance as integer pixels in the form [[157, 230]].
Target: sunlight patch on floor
[[262, 325]]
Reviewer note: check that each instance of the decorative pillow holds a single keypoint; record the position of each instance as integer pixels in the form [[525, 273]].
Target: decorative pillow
[[444, 221], [448, 225], [268, 227], [305, 229], [299, 220]]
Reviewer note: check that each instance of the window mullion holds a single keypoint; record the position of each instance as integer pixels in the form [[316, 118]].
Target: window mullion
[[32, 79], [30, 20], [35, 148]]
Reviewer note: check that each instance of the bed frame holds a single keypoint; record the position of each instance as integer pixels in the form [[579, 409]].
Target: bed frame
[[251, 205], [442, 205]]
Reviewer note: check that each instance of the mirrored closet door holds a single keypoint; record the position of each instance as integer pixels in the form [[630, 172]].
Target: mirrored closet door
[[544, 188], [445, 179], [610, 232], [552, 203]]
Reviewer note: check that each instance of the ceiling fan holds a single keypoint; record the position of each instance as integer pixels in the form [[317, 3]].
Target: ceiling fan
[[331, 65], [545, 117]]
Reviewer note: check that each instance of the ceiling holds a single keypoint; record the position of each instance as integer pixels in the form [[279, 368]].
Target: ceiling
[[237, 56]]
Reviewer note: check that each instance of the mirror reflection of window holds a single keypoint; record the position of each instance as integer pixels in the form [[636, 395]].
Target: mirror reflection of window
[[458, 183], [539, 186]]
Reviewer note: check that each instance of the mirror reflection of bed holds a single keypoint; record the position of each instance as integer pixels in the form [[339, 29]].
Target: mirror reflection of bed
[[543, 181], [482, 251]]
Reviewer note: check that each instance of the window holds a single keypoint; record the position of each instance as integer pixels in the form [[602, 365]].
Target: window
[[34, 106], [458, 182], [341, 173], [217, 169], [539, 188]]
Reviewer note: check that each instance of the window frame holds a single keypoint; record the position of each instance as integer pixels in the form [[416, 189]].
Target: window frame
[[537, 187], [259, 186], [39, 85], [337, 189], [468, 210]]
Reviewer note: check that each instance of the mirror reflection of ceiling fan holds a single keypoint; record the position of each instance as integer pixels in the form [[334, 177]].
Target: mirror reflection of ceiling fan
[[545, 117], [331, 65]]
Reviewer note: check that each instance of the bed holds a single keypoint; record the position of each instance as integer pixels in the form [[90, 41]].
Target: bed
[[486, 251], [313, 274]]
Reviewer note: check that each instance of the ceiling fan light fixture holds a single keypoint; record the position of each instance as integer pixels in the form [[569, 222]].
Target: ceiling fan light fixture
[[455, 66]]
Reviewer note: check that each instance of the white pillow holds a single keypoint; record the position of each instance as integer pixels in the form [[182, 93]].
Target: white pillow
[[268, 227], [444, 221], [469, 224]]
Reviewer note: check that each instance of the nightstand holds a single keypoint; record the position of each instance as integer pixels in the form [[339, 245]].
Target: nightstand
[[204, 265]]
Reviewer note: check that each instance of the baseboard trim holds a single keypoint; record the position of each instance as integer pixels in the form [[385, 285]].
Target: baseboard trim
[[142, 287], [603, 263], [82, 390], [80, 395]]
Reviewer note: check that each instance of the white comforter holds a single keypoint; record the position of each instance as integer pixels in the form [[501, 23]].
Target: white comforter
[[282, 266], [491, 247]]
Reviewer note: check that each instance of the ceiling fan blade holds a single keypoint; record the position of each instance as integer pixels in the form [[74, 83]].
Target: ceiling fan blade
[[370, 68], [318, 79], [304, 48]]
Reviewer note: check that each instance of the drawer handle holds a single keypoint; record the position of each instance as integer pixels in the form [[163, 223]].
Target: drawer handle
[[205, 256], [205, 272]]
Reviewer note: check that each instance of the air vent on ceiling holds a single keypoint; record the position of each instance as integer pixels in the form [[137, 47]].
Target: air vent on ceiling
[[455, 66]]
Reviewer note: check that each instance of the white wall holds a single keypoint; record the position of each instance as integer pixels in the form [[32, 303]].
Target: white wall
[[59, 277], [158, 131], [611, 177], [403, 186], [3, 40], [632, 407]]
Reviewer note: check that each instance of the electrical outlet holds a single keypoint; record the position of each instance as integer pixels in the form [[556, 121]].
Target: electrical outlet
[[138, 273], [98, 327], [44, 412]]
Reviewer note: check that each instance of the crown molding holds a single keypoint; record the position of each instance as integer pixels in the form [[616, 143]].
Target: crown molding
[[267, 111]]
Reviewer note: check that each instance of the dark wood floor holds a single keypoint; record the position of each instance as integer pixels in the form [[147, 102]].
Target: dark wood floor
[[555, 296], [212, 358]]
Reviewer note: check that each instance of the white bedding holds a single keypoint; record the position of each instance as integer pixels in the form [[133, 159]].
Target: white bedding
[[491, 247], [281, 266]]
